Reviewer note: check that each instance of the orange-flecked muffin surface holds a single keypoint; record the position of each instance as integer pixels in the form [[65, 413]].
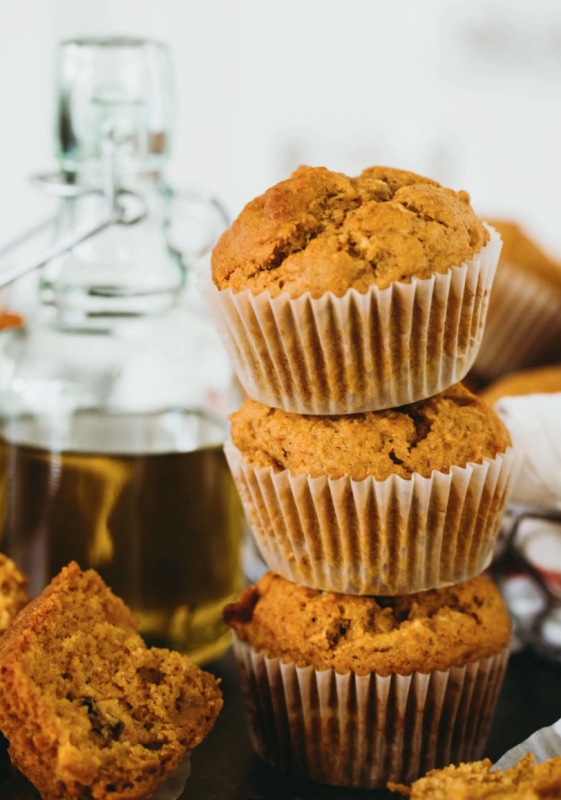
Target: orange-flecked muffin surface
[[422, 632], [322, 231], [451, 429], [524, 781]]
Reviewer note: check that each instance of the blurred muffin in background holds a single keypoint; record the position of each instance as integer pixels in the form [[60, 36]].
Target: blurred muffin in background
[[540, 380], [10, 320], [524, 318]]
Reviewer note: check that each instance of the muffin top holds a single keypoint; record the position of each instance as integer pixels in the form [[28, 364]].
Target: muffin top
[[519, 249], [418, 632], [475, 781], [321, 231], [449, 429], [540, 380]]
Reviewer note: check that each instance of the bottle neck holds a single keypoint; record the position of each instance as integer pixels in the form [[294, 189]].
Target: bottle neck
[[125, 270]]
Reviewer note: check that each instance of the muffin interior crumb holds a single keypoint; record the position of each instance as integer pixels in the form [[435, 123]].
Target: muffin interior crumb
[[475, 781], [13, 592], [118, 716]]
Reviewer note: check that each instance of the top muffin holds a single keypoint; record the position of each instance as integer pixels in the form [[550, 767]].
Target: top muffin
[[321, 231]]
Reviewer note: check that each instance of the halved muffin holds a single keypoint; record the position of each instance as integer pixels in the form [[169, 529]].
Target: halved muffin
[[88, 710]]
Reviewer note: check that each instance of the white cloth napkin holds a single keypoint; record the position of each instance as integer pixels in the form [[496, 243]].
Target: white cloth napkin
[[534, 422]]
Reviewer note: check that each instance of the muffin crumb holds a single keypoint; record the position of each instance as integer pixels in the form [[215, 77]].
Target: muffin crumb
[[475, 781], [13, 592]]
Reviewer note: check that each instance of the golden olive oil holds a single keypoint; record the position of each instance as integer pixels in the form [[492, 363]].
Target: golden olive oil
[[164, 530]]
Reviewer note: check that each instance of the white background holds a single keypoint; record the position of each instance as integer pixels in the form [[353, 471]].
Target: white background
[[466, 92]]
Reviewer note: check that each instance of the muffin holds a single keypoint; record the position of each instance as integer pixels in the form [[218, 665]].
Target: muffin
[[88, 710], [13, 592], [8, 320], [338, 295], [540, 380], [359, 691], [524, 320], [524, 781], [386, 502]]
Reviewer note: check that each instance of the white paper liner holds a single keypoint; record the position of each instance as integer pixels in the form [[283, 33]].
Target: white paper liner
[[172, 788], [543, 744], [363, 731], [360, 352], [522, 324], [374, 537]]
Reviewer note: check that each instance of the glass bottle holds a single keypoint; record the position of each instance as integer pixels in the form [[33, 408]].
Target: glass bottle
[[114, 397]]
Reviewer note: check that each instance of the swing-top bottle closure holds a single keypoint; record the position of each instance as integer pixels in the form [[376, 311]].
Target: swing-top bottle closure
[[112, 140]]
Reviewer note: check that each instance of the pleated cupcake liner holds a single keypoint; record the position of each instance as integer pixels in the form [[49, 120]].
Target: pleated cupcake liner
[[523, 323], [363, 731], [360, 352], [372, 537]]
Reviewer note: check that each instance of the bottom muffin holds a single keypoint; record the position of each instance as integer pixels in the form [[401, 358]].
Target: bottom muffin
[[359, 691]]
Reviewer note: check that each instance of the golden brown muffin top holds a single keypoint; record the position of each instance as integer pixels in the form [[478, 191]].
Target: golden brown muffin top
[[540, 380], [522, 251], [449, 429], [411, 633], [322, 231], [13, 592], [524, 781]]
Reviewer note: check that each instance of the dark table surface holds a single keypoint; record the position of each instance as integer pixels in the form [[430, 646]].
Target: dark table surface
[[225, 768]]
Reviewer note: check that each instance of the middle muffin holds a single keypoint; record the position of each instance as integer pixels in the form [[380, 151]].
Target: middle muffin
[[381, 503]]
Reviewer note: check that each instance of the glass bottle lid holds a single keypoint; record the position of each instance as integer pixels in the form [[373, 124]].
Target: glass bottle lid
[[119, 85]]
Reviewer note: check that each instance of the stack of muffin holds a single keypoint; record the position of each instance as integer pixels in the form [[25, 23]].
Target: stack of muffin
[[374, 482]]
